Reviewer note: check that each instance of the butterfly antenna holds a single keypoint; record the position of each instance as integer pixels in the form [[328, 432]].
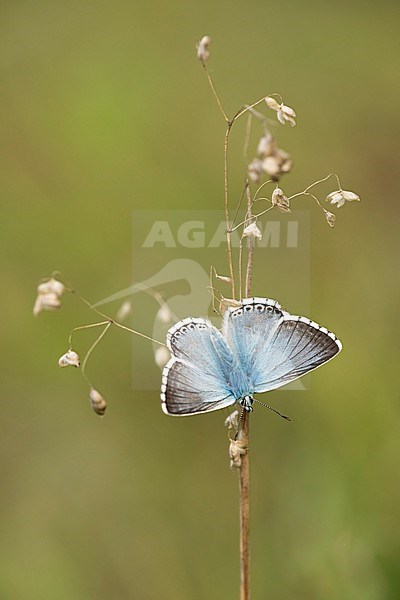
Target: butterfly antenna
[[238, 425], [273, 410]]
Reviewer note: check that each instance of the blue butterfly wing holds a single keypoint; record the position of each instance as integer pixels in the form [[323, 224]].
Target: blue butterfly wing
[[250, 328], [276, 347], [196, 379]]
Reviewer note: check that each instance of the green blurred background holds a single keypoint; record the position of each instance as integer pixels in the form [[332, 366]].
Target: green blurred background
[[105, 110]]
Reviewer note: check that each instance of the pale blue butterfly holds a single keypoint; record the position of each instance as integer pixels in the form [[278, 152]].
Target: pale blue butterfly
[[261, 347]]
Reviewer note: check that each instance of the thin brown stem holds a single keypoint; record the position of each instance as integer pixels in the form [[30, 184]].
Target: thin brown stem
[[241, 268], [112, 321], [241, 240], [210, 81], [244, 502], [226, 196], [247, 108], [256, 215], [89, 326], [227, 221], [250, 246], [239, 204], [247, 138], [244, 470], [244, 475], [93, 346]]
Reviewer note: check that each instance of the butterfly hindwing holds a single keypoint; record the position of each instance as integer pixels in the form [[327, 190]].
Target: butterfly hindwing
[[196, 378]]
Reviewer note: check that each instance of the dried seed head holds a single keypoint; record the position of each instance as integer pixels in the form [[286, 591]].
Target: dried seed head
[[278, 196], [286, 162], [124, 310], [226, 303], [46, 302], [51, 286], [336, 198], [164, 314], [277, 164], [70, 359], [97, 402], [223, 278], [340, 197], [350, 196], [270, 159], [253, 231], [330, 217], [203, 48], [37, 307], [272, 167], [280, 200], [48, 296], [266, 146], [231, 422], [161, 356], [272, 103], [254, 170], [286, 114], [236, 450], [280, 116]]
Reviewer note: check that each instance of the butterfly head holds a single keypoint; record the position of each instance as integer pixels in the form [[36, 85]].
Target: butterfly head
[[246, 402]]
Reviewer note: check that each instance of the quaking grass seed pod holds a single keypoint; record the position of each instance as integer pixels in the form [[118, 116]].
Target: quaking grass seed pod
[[69, 359], [97, 402]]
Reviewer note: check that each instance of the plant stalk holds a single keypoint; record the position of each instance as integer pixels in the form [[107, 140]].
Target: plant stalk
[[227, 220], [244, 503], [244, 469], [243, 434]]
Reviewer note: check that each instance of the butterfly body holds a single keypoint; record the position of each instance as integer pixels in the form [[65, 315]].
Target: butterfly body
[[260, 348]]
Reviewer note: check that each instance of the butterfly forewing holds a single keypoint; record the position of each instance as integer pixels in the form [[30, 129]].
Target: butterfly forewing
[[281, 347], [299, 346]]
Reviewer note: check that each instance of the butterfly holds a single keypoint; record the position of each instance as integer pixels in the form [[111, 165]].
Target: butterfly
[[260, 348]]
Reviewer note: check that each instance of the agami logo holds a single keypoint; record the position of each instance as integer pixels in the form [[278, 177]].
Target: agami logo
[[195, 234]]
